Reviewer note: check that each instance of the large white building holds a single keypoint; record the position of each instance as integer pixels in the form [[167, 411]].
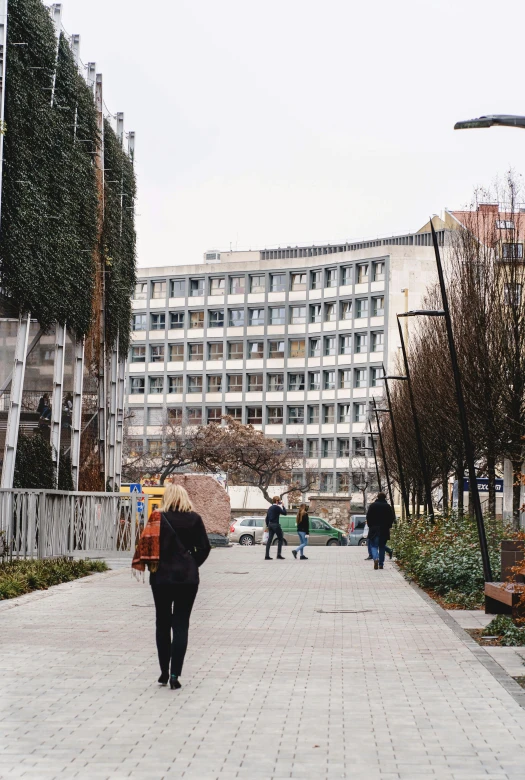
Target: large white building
[[289, 340]]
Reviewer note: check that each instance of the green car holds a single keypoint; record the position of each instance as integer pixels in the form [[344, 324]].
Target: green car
[[321, 532]]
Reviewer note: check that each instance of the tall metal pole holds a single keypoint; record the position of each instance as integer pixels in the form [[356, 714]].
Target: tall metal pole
[[419, 439], [15, 404], [57, 402], [398, 451], [375, 456], [467, 441], [383, 454]]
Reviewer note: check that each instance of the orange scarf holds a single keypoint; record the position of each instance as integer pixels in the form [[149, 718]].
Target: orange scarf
[[147, 551]]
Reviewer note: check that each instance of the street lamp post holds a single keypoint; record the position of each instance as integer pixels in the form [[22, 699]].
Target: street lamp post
[[467, 441], [402, 485], [375, 455], [420, 448], [383, 455], [492, 120]]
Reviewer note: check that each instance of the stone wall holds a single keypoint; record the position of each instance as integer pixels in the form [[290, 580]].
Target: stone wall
[[209, 499], [333, 509]]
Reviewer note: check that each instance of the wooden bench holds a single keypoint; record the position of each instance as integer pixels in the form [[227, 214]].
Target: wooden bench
[[502, 598]]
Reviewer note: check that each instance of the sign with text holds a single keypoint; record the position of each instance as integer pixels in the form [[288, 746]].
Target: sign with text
[[483, 485]]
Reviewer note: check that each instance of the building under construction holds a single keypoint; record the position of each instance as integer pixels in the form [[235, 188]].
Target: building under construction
[[67, 257]]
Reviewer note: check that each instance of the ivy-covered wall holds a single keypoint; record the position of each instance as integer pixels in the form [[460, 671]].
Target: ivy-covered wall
[[50, 203]]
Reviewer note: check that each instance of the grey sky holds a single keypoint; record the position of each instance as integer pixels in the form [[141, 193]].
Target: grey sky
[[292, 121]]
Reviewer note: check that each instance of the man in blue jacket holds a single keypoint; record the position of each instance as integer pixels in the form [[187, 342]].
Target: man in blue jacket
[[273, 517]]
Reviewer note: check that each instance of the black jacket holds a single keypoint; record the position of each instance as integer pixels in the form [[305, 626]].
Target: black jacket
[[189, 529], [274, 514], [304, 525], [380, 518]]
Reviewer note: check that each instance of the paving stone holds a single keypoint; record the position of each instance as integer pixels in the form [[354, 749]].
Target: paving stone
[[277, 682]]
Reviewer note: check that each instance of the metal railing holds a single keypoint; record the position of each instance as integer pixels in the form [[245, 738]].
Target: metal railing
[[51, 523]]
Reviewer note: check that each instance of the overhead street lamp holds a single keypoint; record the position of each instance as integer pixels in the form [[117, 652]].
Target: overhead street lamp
[[467, 441], [402, 484], [491, 120], [375, 455], [383, 455], [419, 439]]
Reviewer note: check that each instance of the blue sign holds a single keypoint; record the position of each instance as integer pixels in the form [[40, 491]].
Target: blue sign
[[483, 485], [135, 487], [140, 506]]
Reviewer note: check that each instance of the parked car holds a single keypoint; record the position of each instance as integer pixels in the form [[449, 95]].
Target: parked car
[[249, 530], [357, 531]]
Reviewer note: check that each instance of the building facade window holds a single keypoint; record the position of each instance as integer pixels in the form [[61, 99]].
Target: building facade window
[[214, 415], [176, 353], [235, 412], [345, 379], [296, 415], [217, 318], [158, 290], [278, 282], [276, 349], [362, 273], [359, 447], [315, 348], [157, 353], [155, 447], [345, 413], [215, 383], [277, 315], [343, 448], [378, 306], [298, 315], [255, 383], [343, 482], [156, 385], [137, 384], [326, 484], [346, 276], [360, 377], [329, 345], [196, 351], [235, 350], [194, 416], [196, 287], [316, 312], [329, 380], [295, 381], [376, 375], [359, 413], [313, 415], [330, 312], [276, 383], [328, 414], [330, 278], [196, 319], [256, 316], [158, 321], [328, 448], [178, 288], [217, 286], [346, 310], [297, 348], [512, 251], [216, 350], [138, 354], [379, 271], [361, 308], [141, 291], [236, 319], [235, 383], [254, 415], [175, 415], [255, 350], [237, 285], [314, 380], [257, 284], [312, 448], [378, 340], [298, 281], [316, 280], [275, 415], [176, 320], [361, 342], [195, 383], [175, 384], [346, 345]]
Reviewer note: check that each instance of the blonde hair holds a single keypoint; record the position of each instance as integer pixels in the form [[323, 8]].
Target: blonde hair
[[176, 499]]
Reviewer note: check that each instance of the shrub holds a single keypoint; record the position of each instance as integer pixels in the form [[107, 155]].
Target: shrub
[[444, 556], [505, 627], [24, 576]]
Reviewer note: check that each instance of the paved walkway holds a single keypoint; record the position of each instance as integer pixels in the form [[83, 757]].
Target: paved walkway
[[277, 684]]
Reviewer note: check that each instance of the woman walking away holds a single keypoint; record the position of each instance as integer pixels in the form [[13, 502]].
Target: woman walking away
[[303, 529], [173, 546]]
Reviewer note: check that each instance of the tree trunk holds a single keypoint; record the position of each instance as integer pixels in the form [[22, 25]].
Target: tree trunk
[[459, 477], [516, 493], [413, 503], [419, 499], [491, 472], [444, 478]]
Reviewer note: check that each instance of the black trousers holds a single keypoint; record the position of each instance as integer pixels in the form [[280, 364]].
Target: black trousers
[[173, 605], [274, 530]]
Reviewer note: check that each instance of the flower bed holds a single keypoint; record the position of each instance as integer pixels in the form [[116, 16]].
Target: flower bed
[[444, 557], [24, 576]]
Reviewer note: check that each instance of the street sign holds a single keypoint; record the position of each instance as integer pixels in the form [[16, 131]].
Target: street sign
[[135, 487], [140, 506], [483, 485]]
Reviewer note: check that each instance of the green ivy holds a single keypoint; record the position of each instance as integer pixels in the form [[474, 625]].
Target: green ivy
[[118, 239], [50, 199], [34, 467]]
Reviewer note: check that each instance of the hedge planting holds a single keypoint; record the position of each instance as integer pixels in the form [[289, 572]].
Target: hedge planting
[[24, 576]]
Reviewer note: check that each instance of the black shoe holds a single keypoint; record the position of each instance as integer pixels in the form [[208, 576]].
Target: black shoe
[[163, 679], [174, 683], [294, 553], [376, 564], [380, 565], [390, 554], [281, 557], [303, 558], [369, 558], [267, 558]]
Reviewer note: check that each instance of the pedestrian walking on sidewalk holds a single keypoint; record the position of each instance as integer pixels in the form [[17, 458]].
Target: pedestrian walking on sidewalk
[[303, 530], [173, 545], [273, 517], [380, 518]]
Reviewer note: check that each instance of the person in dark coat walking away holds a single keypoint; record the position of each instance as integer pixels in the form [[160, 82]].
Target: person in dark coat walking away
[[173, 546], [303, 530], [380, 518], [273, 517]]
